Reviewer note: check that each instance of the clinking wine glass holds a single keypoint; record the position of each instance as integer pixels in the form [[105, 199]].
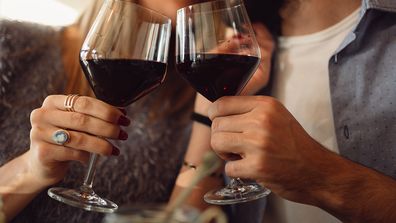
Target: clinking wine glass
[[124, 57], [217, 53]]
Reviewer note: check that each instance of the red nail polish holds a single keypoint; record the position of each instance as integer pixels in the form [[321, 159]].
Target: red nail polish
[[123, 135], [115, 151], [237, 36], [124, 121]]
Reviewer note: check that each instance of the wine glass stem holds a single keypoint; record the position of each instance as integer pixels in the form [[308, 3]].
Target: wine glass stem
[[89, 176], [235, 182]]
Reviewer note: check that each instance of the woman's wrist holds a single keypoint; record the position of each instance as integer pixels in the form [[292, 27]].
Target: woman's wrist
[[195, 199], [33, 181], [18, 185]]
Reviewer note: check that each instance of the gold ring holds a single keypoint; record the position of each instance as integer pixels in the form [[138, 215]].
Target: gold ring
[[69, 102]]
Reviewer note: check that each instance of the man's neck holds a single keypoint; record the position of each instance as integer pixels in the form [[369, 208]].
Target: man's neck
[[301, 17]]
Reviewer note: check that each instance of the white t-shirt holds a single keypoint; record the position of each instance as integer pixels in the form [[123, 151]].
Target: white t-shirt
[[302, 84]]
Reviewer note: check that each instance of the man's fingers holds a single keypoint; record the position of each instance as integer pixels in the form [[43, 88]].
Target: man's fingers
[[239, 168], [225, 143], [235, 105], [230, 105]]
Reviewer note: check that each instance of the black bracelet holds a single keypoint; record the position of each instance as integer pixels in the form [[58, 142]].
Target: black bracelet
[[201, 119]]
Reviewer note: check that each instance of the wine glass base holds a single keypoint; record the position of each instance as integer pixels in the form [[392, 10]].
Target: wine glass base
[[81, 199], [233, 195]]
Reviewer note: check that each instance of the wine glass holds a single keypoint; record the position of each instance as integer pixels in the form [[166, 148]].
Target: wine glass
[[152, 213], [124, 57], [217, 53]]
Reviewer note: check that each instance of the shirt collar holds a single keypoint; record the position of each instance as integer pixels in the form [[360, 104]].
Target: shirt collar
[[385, 5]]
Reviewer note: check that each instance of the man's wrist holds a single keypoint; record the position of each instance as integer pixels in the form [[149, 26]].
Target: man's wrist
[[337, 186]]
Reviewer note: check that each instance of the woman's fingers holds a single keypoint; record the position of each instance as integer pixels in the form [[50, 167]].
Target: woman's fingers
[[48, 153], [238, 44], [77, 140], [87, 126], [261, 76], [78, 122], [89, 106], [263, 35]]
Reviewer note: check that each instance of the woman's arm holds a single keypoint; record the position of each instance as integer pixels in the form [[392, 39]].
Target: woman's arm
[[46, 162], [18, 185], [199, 144]]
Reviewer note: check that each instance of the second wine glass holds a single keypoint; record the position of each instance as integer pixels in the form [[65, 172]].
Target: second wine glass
[[217, 53], [124, 57]]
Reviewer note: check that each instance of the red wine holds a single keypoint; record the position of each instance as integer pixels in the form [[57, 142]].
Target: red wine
[[217, 75], [120, 82]]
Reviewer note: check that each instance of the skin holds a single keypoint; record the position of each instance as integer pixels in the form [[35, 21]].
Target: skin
[[46, 163], [276, 151], [278, 154], [200, 137]]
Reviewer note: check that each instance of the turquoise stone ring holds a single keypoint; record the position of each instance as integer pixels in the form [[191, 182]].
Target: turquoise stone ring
[[61, 137]]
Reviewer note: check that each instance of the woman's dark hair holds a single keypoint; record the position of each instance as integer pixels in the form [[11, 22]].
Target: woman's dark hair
[[267, 12]]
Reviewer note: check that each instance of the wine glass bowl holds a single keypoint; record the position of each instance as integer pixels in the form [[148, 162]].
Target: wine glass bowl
[[124, 57], [216, 50], [217, 53]]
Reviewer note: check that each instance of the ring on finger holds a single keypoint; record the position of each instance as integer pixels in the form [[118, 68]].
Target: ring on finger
[[70, 101], [61, 137]]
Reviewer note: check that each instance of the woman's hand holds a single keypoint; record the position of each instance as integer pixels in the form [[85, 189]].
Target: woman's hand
[[89, 125], [261, 76], [234, 44]]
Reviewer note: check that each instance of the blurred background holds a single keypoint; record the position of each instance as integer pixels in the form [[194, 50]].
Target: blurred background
[[48, 12]]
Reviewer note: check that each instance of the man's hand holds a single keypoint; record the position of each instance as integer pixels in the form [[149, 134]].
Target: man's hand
[[275, 149], [276, 152]]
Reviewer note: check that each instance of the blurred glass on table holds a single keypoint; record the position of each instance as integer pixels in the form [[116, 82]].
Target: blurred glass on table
[[151, 213]]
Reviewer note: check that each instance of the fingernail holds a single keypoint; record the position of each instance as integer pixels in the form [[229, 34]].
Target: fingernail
[[237, 36], [115, 151], [124, 121], [123, 110], [123, 135]]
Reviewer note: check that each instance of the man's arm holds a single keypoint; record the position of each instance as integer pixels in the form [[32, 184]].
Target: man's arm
[[354, 193], [278, 153]]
